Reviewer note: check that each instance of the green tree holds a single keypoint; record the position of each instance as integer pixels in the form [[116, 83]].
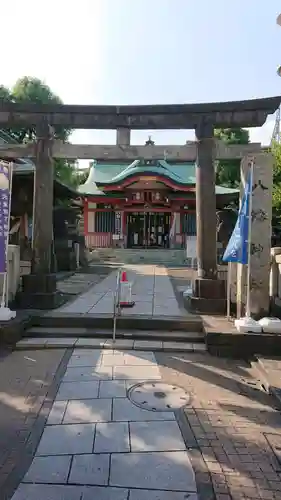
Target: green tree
[[66, 171], [276, 194], [82, 176], [33, 90], [5, 94], [228, 171]]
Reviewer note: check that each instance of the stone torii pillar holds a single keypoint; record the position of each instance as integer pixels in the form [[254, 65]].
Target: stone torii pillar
[[209, 292], [40, 286], [123, 136], [206, 218]]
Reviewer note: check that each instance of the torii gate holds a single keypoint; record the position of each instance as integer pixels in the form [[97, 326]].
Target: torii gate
[[204, 118]]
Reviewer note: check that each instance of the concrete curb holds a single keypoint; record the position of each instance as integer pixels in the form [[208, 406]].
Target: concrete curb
[[267, 383], [124, 345]]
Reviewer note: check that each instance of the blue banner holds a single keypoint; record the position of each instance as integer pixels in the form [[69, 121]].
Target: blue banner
[[4, 214], [237, 248]]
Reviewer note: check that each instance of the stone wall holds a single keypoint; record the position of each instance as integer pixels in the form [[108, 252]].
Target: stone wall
[[260, 237]]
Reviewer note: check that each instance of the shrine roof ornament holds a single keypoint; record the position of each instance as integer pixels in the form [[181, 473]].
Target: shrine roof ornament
[[248, 113], [149, 142]]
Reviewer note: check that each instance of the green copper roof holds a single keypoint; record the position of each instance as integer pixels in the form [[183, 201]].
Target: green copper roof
[[159, 168], [102, 174]]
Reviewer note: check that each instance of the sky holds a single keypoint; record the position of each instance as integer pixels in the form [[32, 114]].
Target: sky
[[145, 52]]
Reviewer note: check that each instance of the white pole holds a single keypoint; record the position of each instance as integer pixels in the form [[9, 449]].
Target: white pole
[[78, 255], [248, 304], [228, 298], [116, 302], [5, 280]]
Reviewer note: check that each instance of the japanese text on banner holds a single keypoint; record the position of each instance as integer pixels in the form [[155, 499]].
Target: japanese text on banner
[[5, 173]]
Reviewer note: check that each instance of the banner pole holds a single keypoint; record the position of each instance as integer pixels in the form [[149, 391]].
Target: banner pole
[[5, 280], [228, 297], [248, 302]]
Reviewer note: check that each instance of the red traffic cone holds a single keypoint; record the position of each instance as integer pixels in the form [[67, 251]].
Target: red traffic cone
[[124, 277]]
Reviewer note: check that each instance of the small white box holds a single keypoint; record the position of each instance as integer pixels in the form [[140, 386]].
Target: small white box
[[270, 325], [6, 314], [247, 325], [125, 292]]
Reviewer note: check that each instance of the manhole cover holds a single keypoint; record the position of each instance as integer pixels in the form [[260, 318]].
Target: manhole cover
[[157, 396]]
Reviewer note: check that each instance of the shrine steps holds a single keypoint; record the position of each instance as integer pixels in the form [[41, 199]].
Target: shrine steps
[[187, 329], [168, 257], [135, 335], [119, 344], [185, 324]]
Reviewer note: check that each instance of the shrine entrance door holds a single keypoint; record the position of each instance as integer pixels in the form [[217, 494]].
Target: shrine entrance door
[[148, 229]]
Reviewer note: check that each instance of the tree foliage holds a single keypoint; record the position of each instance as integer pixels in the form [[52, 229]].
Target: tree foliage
[[33, 90], [5, 94], [276, 195], [82, 176], [228, 171]]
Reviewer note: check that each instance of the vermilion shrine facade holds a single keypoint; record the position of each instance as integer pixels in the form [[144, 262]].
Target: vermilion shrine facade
[[142, 204]]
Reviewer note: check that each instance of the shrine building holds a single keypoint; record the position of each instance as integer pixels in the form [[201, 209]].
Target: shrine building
[[142, 204]]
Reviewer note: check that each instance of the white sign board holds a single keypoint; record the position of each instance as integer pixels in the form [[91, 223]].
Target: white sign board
[[191, 252], [125, 292]]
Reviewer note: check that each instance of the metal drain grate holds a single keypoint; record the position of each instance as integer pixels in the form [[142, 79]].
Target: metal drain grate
[[158, 396]]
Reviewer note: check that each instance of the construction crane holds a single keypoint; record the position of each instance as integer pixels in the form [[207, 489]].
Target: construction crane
[[275, 138], [276, 131]]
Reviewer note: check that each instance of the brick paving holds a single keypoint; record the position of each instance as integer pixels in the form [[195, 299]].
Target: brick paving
[[232, 427], [26, 378]]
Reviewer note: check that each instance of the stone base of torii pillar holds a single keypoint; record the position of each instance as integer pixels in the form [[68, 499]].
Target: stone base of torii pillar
[[208, 297]]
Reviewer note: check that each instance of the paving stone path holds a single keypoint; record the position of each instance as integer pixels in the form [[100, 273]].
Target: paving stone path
[[152, 292], [98, 445], [77, 283]]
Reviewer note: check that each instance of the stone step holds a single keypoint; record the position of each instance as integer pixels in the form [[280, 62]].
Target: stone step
[[189, 323], [140, 256], [90, 333], [103, 343]]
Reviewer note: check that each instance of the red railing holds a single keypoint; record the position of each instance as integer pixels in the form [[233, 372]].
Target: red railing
[[99, 240]]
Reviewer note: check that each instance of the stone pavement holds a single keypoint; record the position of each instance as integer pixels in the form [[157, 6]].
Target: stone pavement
[[80, 282], [230, 427], [152, 292], [97, 444]]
